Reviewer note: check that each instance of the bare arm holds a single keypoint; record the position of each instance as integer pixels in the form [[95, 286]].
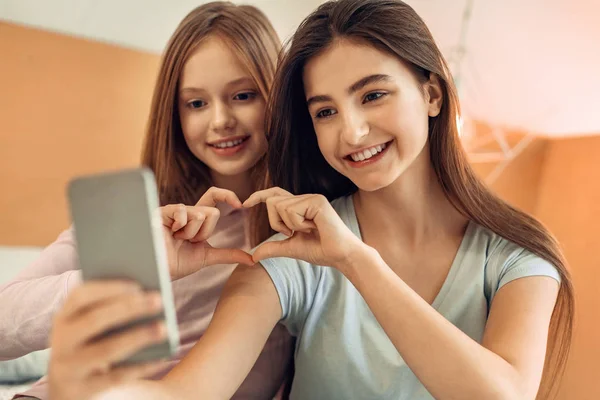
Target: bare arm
[[30, 300], [247, 312], [507, 365]]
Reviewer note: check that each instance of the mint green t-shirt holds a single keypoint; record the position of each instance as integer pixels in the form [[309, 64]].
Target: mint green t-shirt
[[341, 350]]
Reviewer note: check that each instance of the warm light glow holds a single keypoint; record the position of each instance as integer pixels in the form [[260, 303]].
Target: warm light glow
[[460, 123]]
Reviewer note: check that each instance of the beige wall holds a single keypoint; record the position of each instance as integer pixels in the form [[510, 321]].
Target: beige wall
[[558, 181], [70, 106], [569, 203], [67, 106]]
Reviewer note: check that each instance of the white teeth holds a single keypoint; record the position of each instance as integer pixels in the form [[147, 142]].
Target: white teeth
[[225, 145], [368, 153]]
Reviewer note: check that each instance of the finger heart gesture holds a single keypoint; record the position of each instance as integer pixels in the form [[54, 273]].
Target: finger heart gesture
[[187, 229], [316, 234]]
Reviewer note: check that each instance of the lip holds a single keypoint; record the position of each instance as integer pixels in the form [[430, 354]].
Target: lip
[[372, 160], [368, 147], [229, 151], [228, 139]]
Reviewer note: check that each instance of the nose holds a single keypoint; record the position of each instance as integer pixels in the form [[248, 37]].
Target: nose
[[223, 118], [354, 128]]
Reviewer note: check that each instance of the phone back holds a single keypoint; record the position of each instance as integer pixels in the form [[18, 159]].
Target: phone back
[[119, 235]]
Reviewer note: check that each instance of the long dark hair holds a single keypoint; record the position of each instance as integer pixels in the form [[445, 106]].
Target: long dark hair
[[296, 163]]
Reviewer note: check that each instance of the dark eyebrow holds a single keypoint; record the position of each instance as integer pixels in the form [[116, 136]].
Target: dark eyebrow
[[355, 87], [367, 80], [317, 99]]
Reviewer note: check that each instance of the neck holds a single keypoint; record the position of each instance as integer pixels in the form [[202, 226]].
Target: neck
[[414, 208], [241, 184]]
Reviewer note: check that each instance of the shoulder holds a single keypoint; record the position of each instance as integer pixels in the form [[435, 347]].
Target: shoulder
[[506, 261]]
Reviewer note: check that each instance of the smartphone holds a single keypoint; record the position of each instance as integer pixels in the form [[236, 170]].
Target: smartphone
[[119, 235]]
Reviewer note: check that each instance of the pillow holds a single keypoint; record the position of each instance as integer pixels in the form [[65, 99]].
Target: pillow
[[14, 258], [24, 369]]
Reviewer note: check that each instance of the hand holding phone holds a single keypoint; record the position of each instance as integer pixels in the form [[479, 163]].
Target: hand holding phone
[[119, 236], [84, 360]]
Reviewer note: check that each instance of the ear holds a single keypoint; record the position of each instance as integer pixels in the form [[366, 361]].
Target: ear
[[435, 95]]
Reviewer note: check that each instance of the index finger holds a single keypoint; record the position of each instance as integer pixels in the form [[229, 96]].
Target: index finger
[[90, 293], [216, 195], [262, 195]]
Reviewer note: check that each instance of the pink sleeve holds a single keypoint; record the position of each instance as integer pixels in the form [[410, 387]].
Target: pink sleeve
[[30, 300]]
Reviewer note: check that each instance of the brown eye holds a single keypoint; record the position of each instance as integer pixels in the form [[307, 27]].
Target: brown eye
[[196, 104], [245, 96], [325, 113], [373, 96]]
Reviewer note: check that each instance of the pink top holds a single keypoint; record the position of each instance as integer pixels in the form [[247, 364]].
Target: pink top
[[30, 300]]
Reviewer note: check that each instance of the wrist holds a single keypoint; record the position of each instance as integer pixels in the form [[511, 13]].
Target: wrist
[[359, 256]]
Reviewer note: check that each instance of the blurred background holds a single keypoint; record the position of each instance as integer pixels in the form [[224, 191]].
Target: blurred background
[[76, 80]]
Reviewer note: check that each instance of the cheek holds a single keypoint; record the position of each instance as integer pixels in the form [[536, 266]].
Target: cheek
[[327, 145], [408, 125], [252, 117], [194, 126]]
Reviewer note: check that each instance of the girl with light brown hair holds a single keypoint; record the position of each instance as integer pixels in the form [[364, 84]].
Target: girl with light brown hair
[[206, 129]]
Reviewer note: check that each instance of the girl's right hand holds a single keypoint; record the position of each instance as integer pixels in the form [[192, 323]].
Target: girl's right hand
[[82, 362]]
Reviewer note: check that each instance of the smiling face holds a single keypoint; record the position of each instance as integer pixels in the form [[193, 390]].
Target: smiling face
[[369, 111], [221, 110]]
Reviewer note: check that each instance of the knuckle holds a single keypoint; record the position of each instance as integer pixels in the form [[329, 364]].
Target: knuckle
[[275, 225], [322, 199], [271, 201], [201, 216], [210, 211]]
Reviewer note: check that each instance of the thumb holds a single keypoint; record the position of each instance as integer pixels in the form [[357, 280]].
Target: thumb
[[214, 256], [266, 250]]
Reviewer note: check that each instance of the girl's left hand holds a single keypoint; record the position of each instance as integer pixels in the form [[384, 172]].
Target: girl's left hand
[[316, 232]]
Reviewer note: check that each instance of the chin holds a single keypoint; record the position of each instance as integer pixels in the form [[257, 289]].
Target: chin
[[372, 185], [376, 182], [233, 170]]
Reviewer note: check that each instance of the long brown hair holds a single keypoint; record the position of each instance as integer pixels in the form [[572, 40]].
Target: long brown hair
[[296, 163], [181, 177]]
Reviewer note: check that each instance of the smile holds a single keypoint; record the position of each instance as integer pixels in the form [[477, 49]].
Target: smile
[[229, 143]]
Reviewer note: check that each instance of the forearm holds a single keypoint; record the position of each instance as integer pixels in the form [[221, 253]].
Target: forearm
[[449, 363], [27, 310], [147, 390], [246, 314]]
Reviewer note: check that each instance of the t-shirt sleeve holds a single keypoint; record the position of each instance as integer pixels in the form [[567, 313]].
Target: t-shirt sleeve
[[513, 262], [296, 283]]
